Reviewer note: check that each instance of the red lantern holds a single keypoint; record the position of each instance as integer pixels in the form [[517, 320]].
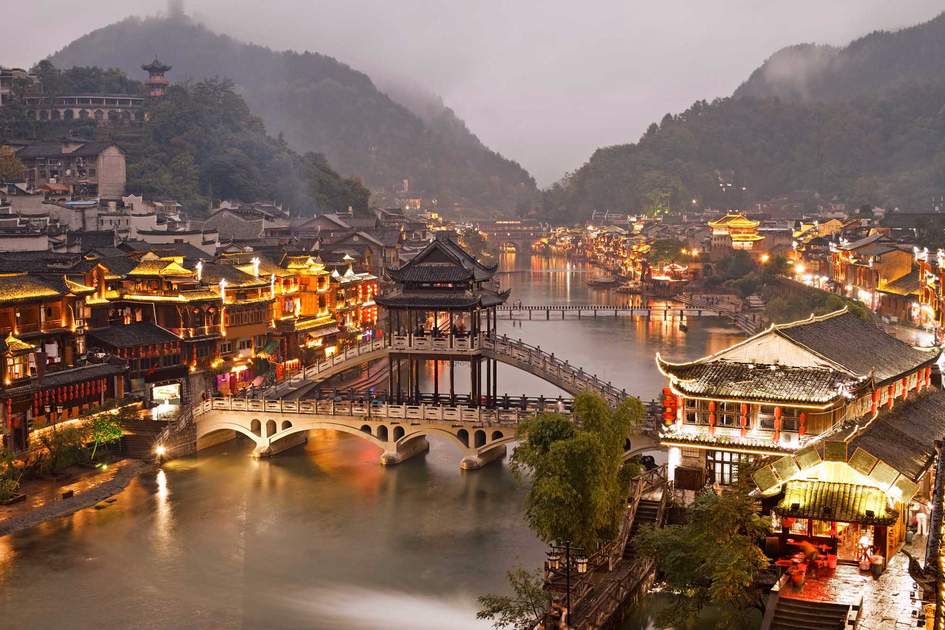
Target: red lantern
[[743, 419], [711, 417], [777, 424], [802, 429], [874, 406]]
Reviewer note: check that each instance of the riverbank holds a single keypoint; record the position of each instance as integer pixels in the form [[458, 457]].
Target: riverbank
[[44, 498]]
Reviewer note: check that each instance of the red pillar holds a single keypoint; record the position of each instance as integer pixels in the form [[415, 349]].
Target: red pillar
[[743, 419], [777, 424]]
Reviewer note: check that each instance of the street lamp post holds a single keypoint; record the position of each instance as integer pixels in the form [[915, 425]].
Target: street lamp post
[[554, 569]]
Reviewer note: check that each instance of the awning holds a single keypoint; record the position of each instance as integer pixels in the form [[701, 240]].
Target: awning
[[322, 332], [829, 501]]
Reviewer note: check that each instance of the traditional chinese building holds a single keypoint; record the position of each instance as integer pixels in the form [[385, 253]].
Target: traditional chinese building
[[874, 266], [444, 301], [45, 377], [156, 82], [841, 416], [735, 232]]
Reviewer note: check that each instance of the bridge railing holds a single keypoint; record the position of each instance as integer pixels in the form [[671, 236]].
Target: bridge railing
[[369, 410], [550, 365]]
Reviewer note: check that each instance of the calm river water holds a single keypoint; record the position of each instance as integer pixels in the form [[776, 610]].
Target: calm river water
[[322, 536]]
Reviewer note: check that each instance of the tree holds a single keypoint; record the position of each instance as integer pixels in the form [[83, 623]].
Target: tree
[[11, 168], [579, 480], [524, 609], [712, 559], [103, 429], [10, 475]]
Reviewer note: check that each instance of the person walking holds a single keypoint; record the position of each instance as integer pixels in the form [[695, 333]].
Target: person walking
[[922, 519]]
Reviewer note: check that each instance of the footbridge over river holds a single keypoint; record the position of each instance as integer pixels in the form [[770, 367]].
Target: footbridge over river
[[515, 352], [400, 430], [481, 428]]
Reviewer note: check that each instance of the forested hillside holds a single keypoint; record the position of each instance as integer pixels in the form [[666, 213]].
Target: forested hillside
[[319, 104], [884, 145], [201, 144], [877, 63]]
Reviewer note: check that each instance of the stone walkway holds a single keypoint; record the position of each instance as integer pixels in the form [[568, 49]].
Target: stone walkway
[[889, 603], [44, 498]]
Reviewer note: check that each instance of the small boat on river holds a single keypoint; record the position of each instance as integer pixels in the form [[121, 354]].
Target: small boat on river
[[602, 282]]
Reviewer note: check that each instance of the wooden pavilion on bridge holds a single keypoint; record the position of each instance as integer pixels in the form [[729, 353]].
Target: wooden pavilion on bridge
[[444, 303]]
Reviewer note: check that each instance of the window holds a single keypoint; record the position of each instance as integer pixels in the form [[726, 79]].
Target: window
[[696, 412], [722, 466], [728, 414], [260, 341], [226, 347], [245, 344], [16, 367], [766, 417]]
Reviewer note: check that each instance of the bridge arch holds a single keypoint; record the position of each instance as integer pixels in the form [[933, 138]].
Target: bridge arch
[[213, 427], [270, 428], [382, 433], [427, 431], [362, 432], [480, 438], [256, 427], [399, 432], [286, 425], [463, 436]]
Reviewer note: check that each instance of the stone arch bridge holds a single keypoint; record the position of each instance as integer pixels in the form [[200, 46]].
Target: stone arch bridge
[[401, 431]]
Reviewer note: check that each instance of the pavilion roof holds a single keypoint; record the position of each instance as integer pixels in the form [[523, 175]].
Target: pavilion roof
[[827, 500], [838, 341], [761, 382], [734, 220], [444, 299], [442, 258]]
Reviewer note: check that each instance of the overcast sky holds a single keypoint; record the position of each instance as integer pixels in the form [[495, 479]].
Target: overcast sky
[[544, 82]]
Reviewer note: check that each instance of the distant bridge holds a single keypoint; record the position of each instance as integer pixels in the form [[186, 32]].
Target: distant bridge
[[579, 311], [401, 431]]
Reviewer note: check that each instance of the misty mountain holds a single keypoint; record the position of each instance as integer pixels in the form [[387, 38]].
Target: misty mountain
[[319, 104], [877, 63], [864, 124]]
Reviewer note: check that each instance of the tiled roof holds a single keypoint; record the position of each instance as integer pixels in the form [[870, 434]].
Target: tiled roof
[[92, 149], [23, 288], [904, 437], [131, 335], [856, 345], [906, 285], [729, 379], [81, 374], [431, 273], [12, 344], [831, 501], [159, 268], [214, 272]]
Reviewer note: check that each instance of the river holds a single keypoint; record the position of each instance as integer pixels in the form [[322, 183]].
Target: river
[[322, 536]]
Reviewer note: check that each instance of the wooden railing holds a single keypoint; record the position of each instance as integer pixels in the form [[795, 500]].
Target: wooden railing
[[607, 559]]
